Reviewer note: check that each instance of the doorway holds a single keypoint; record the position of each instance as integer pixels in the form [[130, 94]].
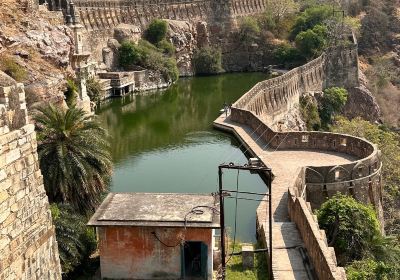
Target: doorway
[[194, 260]]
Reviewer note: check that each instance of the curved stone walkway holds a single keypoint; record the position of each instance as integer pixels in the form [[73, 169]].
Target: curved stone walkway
[[287, 261]]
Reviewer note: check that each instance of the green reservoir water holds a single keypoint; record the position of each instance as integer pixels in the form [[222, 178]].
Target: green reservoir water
[[163, 141]]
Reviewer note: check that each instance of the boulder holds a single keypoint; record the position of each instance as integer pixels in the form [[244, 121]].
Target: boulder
[[127, 32]]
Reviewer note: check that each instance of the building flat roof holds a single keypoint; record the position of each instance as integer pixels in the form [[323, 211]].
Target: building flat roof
[[157, 209]]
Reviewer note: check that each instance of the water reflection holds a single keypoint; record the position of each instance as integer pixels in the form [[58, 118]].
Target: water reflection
[[164, 141]]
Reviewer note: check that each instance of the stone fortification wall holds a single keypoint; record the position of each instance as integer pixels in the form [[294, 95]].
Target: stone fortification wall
[[249, 7], [360, 179], [106, 14], [272, 99], [28, 249], [261, 109], [300, 212]]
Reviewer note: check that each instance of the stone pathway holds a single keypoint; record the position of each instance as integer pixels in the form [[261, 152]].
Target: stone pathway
[[287, 261]]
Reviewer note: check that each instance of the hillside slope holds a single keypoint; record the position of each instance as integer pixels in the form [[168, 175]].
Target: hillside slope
[[35, 49]]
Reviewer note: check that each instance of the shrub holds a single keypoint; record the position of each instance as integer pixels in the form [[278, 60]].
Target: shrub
[[333, 101], [152, 58], [166, 47], [128, 54], [71, 93], [93, 89], [311, 17], [389, 143], [371, 269], [249, 30], [13, 69], [288, 56], [149, 56], [312, 42], [156, 31], [207, 61], [350, 226], [309, 113], [76, 241]]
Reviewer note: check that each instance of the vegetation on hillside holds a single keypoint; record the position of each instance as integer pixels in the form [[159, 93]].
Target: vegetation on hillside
[[9, 66], [389, 143], [149, 56], [332, 103], [353, 230], [321, 114], [156, 31], [71, 93], [207, 61], [93, 90]]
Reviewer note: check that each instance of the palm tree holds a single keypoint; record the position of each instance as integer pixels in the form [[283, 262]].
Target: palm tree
[[74, 156]]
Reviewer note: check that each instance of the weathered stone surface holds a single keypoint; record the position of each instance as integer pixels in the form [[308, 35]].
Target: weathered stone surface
[[362, 103], [127, 32], [28, 249], [182, 35]]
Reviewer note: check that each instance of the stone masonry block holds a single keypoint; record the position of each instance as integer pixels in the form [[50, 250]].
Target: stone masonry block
[[247, 256]]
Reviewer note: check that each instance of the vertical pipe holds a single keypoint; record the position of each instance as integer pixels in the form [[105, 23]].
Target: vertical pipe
[[270, 223], [222, 222]]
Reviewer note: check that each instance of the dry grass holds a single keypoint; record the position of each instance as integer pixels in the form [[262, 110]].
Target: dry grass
[[388, 99]]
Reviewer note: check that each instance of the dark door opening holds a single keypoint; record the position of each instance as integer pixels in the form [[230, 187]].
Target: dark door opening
[[194, 260]]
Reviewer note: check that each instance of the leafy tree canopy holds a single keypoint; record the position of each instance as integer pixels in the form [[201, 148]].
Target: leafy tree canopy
[[156, 31], [207, 61], [389, 144], [351, 227], [311, 17], [333, 101], [74, 156], [312, 42]]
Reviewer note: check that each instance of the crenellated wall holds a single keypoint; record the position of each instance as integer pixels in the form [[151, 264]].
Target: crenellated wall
[[273, 98], [261, 109], [28, 248]]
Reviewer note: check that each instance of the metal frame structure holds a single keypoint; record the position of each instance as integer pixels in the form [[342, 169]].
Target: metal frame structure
[[266, 174]]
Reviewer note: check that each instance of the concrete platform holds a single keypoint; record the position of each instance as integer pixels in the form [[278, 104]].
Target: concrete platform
[[287, 260]]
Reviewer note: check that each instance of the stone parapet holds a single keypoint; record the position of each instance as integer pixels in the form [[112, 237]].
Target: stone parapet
[[28, 249], [322, 256]]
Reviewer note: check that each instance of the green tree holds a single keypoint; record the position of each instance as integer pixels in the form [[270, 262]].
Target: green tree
[[288, 56], [333, 101], [315, 15], [156, 31], [207, 61], [309, 113], [128, 54], [369, 269], [350, 226], [312, 42], [389, 144], [74, 156], [76, 241]]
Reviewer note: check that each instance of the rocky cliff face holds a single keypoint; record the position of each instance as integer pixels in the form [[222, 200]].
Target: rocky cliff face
[[182, 35], [362, 103], [36, 45]]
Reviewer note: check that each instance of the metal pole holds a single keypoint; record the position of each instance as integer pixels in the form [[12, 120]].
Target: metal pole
[[222, 221], [270, 223]]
